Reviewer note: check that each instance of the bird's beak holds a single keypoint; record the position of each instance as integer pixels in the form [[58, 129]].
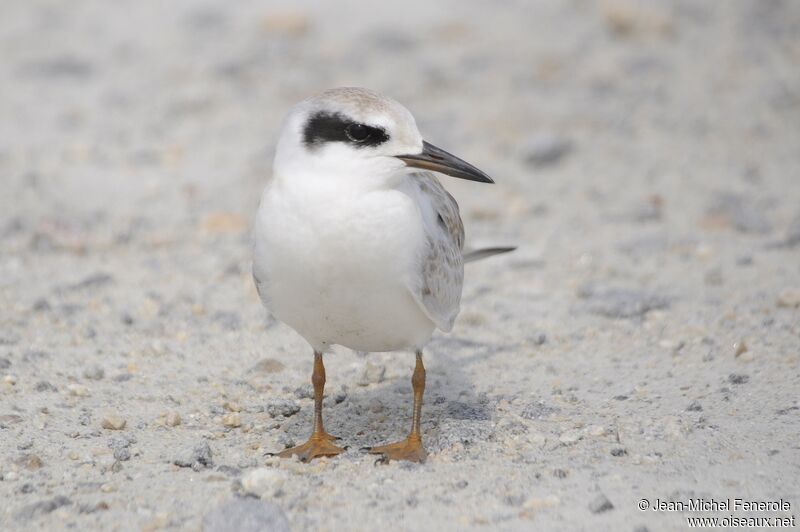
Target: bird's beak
[[438, 160]]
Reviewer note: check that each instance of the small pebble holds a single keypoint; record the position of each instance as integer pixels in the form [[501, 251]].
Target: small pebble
[[282, 407], [539, 339], [264, 482], [113, 422], [269, 365], [233, 420], [596, 430], [172, 419], [285, 440], [31, 462], [789, 299], [739, 348], [304, 392], [340, 396], [570, 437], [232, 406], [600, 504], [122, 454], [44, 386], [738, 378], [197, 457], [41, 305], [545, 149], [94, 372], [78, 390]]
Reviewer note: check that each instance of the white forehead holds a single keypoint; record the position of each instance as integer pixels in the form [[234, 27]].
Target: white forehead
[[367, 107]]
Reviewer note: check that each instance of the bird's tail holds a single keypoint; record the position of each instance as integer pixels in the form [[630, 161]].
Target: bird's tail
[[478, 254]]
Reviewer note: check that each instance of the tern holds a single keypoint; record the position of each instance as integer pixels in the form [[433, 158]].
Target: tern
[[357, 243]]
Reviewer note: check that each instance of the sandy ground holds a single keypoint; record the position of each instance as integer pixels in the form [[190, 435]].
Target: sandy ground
[[642, 343]]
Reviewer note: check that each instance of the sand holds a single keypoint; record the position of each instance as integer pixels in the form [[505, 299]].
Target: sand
[[642, 343]]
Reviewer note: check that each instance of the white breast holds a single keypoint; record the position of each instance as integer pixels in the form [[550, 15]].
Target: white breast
[[334, 264]]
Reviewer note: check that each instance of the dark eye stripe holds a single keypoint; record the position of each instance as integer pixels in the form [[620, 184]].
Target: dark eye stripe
[[325, 127]]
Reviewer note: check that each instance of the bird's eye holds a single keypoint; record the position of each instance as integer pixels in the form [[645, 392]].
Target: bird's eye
[[358, 132]]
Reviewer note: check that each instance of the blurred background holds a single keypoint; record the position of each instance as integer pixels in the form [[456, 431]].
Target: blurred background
[[642, 341], [138, 118]]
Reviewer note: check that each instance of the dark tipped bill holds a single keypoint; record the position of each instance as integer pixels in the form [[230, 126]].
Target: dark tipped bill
[[438, 160]]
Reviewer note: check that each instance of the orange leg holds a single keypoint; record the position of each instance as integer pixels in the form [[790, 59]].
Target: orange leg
[[411, 448], [320, 442]]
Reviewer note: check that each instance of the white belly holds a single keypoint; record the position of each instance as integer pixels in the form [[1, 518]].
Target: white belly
[[335, 267]]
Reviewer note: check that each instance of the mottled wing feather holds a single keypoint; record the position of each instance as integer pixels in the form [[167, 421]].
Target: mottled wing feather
[[437, 288]]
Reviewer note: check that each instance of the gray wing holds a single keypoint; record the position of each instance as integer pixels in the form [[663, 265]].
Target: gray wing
[[437, 285]]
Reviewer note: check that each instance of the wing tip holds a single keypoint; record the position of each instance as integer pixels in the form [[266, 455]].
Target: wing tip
[[487, 252]]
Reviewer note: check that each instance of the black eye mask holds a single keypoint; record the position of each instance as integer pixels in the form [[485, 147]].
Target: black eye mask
[[325, 127]]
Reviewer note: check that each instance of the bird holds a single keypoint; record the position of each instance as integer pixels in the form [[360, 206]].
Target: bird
[[358, 244]]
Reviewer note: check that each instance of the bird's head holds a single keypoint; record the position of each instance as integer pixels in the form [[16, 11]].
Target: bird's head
[[359, 135]]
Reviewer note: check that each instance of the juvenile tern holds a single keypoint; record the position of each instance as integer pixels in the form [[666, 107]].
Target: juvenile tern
[[357, 245]]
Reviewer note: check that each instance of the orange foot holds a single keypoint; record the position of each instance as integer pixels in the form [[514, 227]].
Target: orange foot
[[410, 449], [317, 445]]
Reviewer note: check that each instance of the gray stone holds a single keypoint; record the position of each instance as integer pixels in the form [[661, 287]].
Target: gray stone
[[538, 410], [538, 338], [546, 149], [35, 355], [197, 457], [340, 395], [119, 443], [285, 440], [793, 234], [4, 363], [93, 281], [41, 305], [94, 372], [304, 392], [9, 339], [229, 470], [40, 508], [695, 406], [246, 515], [60, 66], [738, 378], [600, 504], [44, 386], [282, 407], [744, 213], [122, 454], [460, 410], [620, 302], [463, 432]]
